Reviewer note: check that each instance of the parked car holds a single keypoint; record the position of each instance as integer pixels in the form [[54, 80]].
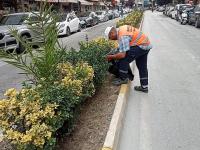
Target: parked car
[[180, 8], [116, 13], [166, 10], [102, 15], [68, 23], [169, 11], [111, 15], [160, 9], [185, 15], [172, 13], [194, 16], [88, 19], [19, 22]]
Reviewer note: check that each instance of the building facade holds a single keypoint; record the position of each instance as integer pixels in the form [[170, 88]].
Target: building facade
[[10, 6]]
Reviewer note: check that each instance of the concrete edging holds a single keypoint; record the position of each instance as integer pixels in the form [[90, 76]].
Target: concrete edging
[[114, 130]]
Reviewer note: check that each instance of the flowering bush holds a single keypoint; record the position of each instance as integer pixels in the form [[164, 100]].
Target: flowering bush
[[132, 19], [93, 53], [31, 117], [24, 120]]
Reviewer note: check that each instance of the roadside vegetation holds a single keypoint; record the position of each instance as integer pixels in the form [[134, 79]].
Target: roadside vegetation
[[59, 81]]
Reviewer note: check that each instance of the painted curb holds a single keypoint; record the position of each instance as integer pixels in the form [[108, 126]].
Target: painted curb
[[112, 137]]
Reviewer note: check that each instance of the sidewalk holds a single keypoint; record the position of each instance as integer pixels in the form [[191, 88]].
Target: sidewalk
[[168, 117]]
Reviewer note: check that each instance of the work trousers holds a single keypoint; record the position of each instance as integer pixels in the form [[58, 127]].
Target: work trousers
[[140, 56]]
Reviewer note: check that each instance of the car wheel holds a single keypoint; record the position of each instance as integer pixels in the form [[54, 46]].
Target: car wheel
[[79, 28], [197, 25], [176, 17], [92, 23], [22, 48], [68, 32], [189, 21]]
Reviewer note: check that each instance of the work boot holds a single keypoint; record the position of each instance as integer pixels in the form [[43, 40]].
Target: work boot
[[131, 77], [140, 88], [119, 81]]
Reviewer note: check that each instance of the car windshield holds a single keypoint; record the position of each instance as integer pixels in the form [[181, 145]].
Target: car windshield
[[99, 13], [62, 18], [13, 19]]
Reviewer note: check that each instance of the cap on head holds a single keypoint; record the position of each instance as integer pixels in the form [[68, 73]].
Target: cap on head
[[107, 31]]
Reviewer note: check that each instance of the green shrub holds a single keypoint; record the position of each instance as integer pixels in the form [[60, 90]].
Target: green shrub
[[133, 19], [38, 113], [93, 53]]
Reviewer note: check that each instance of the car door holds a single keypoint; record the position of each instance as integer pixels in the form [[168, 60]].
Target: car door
[[96, 18], [76, 22], [191, 16], [71, 21], [91, 16]]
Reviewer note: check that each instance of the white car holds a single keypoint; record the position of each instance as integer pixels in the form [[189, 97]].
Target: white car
[[68, 23], [173, 14], [19, 22], [102, 15]]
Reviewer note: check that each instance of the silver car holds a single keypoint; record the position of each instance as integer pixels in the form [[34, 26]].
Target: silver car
[[17, 21], [102, 15]]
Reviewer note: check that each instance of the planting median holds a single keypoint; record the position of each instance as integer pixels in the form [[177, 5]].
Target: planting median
[[59, 82]]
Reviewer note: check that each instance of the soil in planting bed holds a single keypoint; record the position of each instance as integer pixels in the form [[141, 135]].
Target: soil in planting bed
[[94, 120]]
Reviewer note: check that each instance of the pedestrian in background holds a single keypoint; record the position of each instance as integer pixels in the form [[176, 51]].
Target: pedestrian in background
[[133, 45]]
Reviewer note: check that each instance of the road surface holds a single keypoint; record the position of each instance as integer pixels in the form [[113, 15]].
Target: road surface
[[168, 117]]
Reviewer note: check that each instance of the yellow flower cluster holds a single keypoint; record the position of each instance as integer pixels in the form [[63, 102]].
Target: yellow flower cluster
[[75, 77], [84, 71], [22, 117], [104, 42]]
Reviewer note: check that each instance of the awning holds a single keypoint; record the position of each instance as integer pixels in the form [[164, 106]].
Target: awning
[[84, 2], [60, 1]]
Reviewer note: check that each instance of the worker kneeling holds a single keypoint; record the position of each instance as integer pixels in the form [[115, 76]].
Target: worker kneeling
[[133, 45]]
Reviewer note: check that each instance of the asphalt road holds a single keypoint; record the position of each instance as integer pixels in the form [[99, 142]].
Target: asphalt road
[[168, 117], [9, 75]]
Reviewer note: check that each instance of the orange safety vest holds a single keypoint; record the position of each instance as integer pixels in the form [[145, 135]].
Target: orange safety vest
[[138, 38]]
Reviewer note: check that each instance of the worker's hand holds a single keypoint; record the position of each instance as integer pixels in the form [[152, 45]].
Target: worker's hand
[[109, 57]]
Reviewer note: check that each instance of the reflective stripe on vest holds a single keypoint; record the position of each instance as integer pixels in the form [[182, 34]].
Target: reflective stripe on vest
[[138, 38]]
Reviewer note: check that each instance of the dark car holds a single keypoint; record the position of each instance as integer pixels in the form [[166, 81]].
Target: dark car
[[194, 16], [88, 19], [180, 8]]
